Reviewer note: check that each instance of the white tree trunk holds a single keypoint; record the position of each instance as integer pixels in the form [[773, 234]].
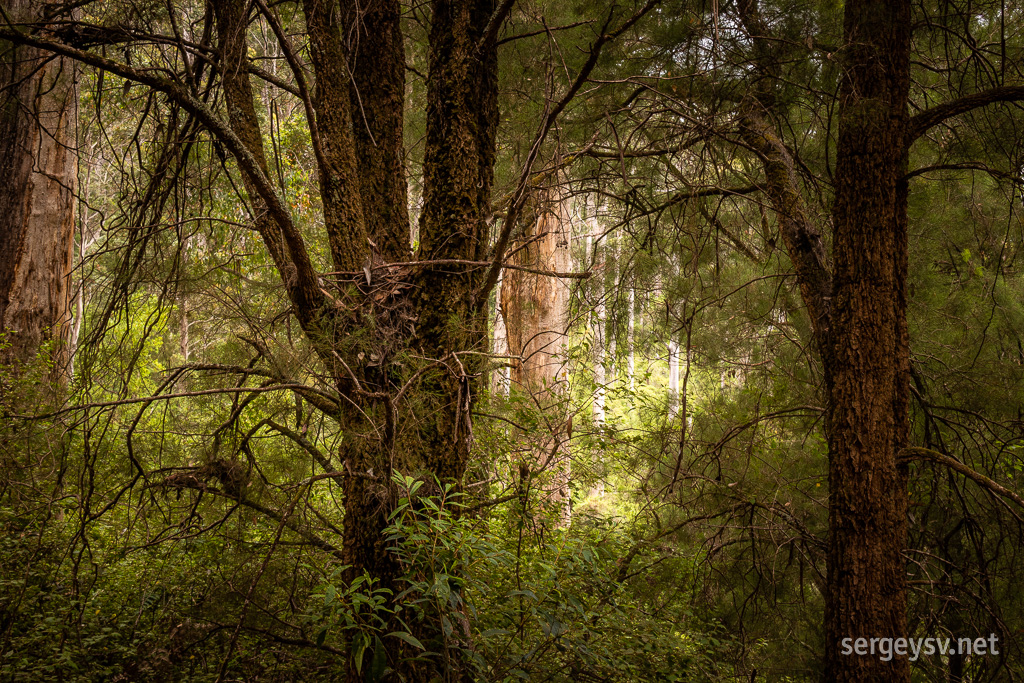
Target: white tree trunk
[[630, 353], [673, 378], [501, 378]]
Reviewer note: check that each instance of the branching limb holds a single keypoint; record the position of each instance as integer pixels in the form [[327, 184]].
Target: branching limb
[[920, 123], [917, 453], [519, 196]]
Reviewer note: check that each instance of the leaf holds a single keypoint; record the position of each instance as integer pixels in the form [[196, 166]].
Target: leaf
[[441, 588], [380, 662], [446, 626], [494, 632], [528, 593], [408, 638], [359, 645]]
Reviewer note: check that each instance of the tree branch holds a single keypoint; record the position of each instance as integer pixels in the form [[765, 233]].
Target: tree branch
[[494, 25], [519, 196], [304, 287], [920, 123], [915, 453]]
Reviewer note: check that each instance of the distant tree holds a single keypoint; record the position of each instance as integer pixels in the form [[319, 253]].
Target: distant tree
[[38, 182]]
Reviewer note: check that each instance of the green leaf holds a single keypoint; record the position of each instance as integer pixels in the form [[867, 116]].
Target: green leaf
[[359, 644], [380, 662], [408, 638], [494, 632], [446, 627], [441, 588]]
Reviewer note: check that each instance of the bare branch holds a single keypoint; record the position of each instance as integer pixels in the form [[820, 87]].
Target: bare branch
[[920, 123], [916, 453]]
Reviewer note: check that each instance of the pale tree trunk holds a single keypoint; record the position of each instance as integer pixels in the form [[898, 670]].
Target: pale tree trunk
[[673, 378], [535, 308], [598, 320], [38, 114], [600, 374], [630, 328], [502, 377]]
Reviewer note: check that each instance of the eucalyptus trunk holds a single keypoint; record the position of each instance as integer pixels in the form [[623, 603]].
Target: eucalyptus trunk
[[536, 308], [38, 180]]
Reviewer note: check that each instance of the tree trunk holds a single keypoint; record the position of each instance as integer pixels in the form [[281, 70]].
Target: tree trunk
[[38, 180], [502, 377], [630, 329], [868, 359], [536, 311], [673, 378], [858, 316], [598, 321]]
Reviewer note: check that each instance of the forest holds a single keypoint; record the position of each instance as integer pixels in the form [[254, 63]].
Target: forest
[[511, 340]]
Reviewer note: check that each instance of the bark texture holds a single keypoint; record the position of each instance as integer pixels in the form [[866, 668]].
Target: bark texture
[[869, 368], [858, 317], [458, 171], [377, 94], [535, 308], [38, 181], [411, 415]]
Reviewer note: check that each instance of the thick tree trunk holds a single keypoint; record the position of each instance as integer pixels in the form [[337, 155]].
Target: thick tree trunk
[[536, 309], [377, 96], [858, 316], [869, 355], [38, 180]]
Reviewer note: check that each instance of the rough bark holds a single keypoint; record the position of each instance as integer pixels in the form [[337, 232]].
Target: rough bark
[[339, 171], [462, 118], [271, 218], [377, 95], [868, 377], [361, 452], [38, 180], [535, 309], [858, 317]]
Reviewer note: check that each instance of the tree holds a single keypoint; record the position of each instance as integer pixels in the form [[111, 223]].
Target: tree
[[858, 313], [758, 78], [38, 179], [397, 343], [535, 308]]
